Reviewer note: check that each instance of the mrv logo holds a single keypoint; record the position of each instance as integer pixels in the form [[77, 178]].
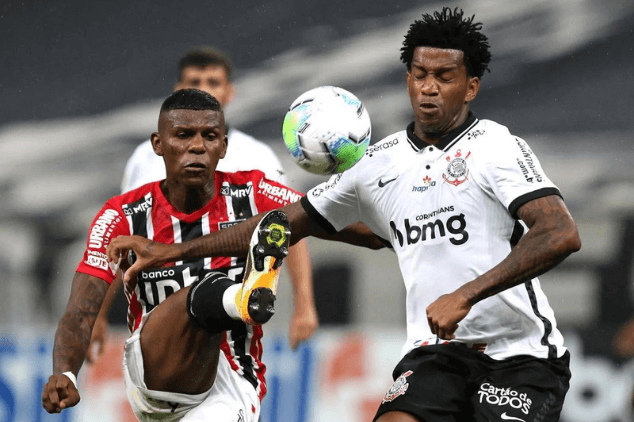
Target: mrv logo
[[236, 191], [454, 227]]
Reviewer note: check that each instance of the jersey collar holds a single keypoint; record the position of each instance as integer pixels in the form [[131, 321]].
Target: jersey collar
[[446, 141]]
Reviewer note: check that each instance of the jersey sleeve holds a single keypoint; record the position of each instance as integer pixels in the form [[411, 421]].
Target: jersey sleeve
[[334, 204], [109, 223], [514, 175], [271, 194]]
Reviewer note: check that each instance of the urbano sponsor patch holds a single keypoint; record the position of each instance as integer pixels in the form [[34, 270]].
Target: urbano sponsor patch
[[279, 194], [102, 228]]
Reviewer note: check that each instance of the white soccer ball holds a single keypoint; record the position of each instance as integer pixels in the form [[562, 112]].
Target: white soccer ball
[[327, 130]]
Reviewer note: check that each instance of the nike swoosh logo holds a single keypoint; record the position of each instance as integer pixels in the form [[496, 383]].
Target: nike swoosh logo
[[382, 183], [511, 418]]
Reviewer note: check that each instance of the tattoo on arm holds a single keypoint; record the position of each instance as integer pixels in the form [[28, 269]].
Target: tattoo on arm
[[75, 327], [552, 237]]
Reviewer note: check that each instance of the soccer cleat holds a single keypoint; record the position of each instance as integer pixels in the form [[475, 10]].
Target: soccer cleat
[[268, 247]]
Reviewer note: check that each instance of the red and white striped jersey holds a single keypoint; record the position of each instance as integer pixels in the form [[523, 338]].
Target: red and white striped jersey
[[146, 212]]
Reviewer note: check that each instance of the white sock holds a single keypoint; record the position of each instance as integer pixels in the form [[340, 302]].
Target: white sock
[[229, 301]]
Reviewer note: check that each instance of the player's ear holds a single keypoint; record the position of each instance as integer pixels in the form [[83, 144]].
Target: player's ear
[[155, 139], [473, 86], [224, 149]]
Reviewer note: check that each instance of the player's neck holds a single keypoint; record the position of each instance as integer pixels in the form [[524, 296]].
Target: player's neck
[[433, 135], [188, 199]]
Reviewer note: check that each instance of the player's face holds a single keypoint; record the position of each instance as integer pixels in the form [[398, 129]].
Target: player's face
[[211, 79], [191, 143], [440, 90]]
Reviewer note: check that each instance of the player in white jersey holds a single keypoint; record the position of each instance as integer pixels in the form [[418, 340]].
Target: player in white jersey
[[473, 220], [211, 70]]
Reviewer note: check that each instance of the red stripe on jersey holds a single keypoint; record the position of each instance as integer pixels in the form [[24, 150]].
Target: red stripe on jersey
[[145, 211], [259, 366], [226, 349]]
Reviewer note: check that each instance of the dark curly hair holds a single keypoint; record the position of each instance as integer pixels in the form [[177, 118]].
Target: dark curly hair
[[448, 29]]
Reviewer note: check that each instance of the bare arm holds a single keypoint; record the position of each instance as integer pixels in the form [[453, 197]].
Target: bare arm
[[99, 335], [72, 339], [552, 237], [304, 320], [233, 241]]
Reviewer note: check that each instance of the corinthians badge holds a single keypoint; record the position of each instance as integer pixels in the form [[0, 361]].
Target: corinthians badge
[[457, 171], [398, 388]]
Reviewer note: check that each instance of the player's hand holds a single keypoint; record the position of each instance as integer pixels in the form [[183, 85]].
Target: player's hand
[[97, 340], [148, 254], [302, 325], [445, 312], [59, 393]]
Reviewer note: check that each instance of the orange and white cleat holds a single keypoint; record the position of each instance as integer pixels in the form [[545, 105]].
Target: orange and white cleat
[[268, 247]]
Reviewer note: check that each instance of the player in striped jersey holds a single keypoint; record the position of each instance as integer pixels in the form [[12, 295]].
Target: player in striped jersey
[[211, 70], [190, 355], [473, 220]]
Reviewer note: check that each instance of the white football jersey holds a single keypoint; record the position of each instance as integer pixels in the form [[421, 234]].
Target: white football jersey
[[244, 152], [449, 212]]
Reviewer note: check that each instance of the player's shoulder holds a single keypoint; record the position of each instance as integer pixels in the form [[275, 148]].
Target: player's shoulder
[[489, 131], [143, 194], [385, 149], [241, 176], [382, 156]]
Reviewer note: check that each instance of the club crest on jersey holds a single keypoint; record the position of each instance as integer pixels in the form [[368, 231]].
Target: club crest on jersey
[[457, 171], [398, 388]]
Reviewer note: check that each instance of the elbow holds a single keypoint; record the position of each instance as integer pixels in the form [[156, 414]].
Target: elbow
[[569, 241]]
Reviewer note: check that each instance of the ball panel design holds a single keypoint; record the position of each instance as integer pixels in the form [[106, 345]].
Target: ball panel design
[[327, 130]]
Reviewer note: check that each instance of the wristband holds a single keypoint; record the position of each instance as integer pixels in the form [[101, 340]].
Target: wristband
[[71, 377]]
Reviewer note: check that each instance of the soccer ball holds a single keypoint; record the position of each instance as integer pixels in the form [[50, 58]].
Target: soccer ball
[[326, 130]]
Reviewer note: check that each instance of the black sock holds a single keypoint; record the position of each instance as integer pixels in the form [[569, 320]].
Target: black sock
[[204, 303]]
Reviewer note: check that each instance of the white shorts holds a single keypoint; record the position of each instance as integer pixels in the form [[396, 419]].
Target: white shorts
[[231, 399]]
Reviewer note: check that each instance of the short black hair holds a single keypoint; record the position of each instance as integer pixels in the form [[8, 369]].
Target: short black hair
[[204, 56], [449, 29], [190, 99]]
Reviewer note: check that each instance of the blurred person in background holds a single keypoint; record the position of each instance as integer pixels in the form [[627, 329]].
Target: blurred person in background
[[195, 351], [473, 219], [211, 70], [623, 343]]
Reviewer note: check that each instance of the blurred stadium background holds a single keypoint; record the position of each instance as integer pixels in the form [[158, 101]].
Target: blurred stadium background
[[81, 84]]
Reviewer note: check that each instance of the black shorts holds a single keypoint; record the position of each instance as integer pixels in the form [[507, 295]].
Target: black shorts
[[453, 383]]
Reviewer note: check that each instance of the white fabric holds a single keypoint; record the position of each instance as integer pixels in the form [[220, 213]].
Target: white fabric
[[71, 377], [446, 214], [230, 399], [244, 152]]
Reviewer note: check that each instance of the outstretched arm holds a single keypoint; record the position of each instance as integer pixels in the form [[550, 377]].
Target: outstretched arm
[[71, 341], [233, 241], [552, 237]]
